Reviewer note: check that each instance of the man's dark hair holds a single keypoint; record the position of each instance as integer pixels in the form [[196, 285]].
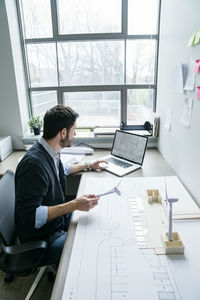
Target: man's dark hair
[[57, 118]]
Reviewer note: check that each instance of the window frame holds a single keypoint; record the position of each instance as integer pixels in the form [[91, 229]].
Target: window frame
[[123, 35]]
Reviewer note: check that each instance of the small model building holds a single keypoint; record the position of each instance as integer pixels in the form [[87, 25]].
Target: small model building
[[154, 196], [175, 246]]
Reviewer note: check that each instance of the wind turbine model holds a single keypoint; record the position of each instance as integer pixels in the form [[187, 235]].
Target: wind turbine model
[[170, 201], [114, 190], [171, 241]]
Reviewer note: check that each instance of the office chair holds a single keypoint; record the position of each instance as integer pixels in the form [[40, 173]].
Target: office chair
[[20, 259]]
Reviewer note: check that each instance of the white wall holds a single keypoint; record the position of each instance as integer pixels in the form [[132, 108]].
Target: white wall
[[13, 99], [181, 145]]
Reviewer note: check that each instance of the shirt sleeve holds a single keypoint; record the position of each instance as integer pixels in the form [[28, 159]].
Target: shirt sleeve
[[41, 216], [67, 168]]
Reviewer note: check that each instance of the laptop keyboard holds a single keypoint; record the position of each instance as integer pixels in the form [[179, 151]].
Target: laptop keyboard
[[118, 162]]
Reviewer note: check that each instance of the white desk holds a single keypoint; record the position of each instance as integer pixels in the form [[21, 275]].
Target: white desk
[[154, 165], [11, 162], [106, 263]]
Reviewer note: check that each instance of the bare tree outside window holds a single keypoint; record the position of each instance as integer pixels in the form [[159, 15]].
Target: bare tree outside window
[[91, 63]]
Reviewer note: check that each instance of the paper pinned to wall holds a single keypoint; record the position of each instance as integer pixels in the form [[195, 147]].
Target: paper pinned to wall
[[187, 112], [168, 120], [190, 79], [179, 79]]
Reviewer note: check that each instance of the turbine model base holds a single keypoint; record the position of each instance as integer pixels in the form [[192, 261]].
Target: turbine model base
[[173, 247]]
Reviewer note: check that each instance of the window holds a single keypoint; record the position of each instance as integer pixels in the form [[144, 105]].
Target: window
[[89, 16], [142, 16], [42, 64], [139, 105], [97, 56], [97, 108], [41, 101], [140, 61], [36, 15]]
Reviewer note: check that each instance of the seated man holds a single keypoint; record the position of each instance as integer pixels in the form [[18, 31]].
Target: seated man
[[41, 212]]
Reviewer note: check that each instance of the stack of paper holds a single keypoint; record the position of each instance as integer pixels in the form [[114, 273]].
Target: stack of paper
[[77, 150], [70, 159]]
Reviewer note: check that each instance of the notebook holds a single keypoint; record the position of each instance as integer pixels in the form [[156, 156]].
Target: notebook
[[127, 154]]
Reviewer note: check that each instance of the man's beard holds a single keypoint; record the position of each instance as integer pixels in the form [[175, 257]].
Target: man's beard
[[65, 142]]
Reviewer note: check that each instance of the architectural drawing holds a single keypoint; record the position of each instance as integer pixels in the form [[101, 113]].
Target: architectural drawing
[[110, 259]]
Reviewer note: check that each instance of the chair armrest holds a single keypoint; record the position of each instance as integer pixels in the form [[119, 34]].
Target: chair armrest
[[24, 247]]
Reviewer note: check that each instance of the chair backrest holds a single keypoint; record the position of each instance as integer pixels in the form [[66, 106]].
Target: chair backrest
[[7, 206]]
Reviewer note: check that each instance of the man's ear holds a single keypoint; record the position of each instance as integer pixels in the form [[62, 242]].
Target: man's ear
[[63, 132]]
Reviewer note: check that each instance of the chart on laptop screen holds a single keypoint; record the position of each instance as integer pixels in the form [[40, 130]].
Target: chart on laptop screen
[[129, 146]]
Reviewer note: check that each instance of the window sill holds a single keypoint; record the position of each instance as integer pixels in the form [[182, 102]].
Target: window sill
[[102, 141]]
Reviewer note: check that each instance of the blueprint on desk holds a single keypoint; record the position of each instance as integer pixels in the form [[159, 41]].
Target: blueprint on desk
[[106, 262]]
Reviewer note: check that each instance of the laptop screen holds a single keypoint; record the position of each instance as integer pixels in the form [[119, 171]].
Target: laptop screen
[[129, 146]]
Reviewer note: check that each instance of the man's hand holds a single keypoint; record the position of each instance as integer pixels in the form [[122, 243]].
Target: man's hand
[[86, 202], [95, 165]]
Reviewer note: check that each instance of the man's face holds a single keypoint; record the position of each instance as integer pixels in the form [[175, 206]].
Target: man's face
[[68, 139]]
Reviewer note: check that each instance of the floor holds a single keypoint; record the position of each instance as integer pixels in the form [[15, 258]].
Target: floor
[[18, 289]]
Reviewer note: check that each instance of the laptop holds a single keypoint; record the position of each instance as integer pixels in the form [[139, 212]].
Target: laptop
[[127, 154]]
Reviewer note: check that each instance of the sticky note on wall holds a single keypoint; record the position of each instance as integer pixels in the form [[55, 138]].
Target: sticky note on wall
[[198, 92], [197, 67]]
